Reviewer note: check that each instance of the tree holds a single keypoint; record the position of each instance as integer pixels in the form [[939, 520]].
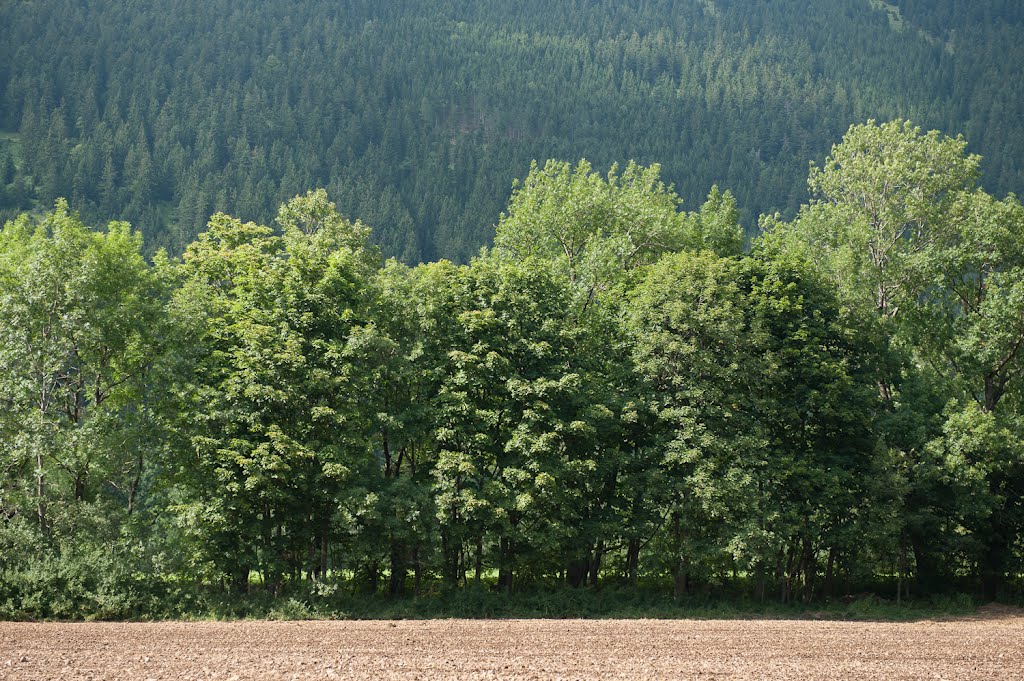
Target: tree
[[595, 235], [279, 435], [882, 196], [822, 492], [968, 320], [764, 412], [686, 319], [82, 315], [591, 229], [969, 327], [391, 370], [509, 415], [902, 227], [716, 227]]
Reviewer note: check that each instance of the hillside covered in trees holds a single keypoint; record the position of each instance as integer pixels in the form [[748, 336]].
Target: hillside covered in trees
[[416, 116], [617, 394]]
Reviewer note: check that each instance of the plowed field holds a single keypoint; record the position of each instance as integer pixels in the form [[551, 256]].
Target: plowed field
[[990, 646]]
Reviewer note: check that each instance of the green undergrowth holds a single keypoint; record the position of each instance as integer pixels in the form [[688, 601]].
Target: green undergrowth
[[116, 582], [581, 604], [65, 598]]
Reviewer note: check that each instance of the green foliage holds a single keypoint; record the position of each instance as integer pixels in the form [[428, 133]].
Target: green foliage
[[615, 402], [882, 197], [766, 414], [511, 422], [97, 568], [901, 226], [592, 229], [716, 227], [277, 435], [82, 320]]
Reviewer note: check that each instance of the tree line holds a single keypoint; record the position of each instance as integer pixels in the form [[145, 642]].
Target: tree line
[[618, 392]]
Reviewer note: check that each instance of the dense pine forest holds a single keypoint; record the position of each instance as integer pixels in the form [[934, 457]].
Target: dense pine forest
[[620, 396], [416, 116]]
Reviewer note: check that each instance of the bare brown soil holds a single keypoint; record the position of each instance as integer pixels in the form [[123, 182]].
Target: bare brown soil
[[990, 646]]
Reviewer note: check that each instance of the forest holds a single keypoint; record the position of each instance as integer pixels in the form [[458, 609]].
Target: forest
[[415, 116], [619, 395]]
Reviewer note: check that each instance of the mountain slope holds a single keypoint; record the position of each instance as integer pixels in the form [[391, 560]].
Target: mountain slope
[[417, 115]]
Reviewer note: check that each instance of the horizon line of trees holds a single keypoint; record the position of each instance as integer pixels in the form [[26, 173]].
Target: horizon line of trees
[[617, 391]]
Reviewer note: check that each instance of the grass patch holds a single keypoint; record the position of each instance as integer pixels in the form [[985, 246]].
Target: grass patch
[[896, 22], [561, 603]]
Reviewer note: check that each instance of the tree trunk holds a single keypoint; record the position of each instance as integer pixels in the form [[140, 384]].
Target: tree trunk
[[829, 587], [463, 567], [479, 562], [240, 580], [787, 576], [810, 571], [505, 565], [133, 488], [266, 565], [595, 563], [80, 486], [40, 489], [325, 546], [681, 583], [993, 392], [417, 569], [901, 568], [372, 577], [928, 575], [993, 569], [633, 561], [450, 560], [682, 563], [576, 572], [396, 585]]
